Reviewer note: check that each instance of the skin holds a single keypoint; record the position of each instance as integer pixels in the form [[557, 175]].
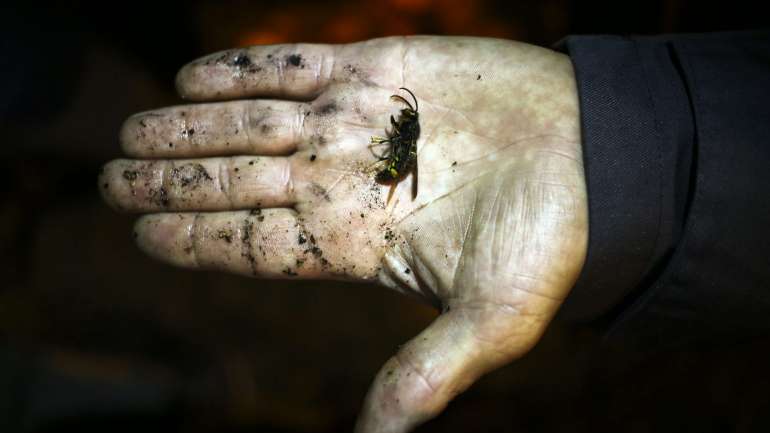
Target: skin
[[270, 173]]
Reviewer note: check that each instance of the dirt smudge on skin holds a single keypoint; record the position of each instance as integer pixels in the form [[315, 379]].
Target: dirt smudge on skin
[[309, 243], [317, 252], [367, 191], [246, 249], [239, 60], [327, 109], [190, 175], [220, 59], [372, 197], [130, 175], [314, 250], [318, 139], [295, 60], [226, 235], [258, 213], [158, 196], [356, 74], [320, 191]]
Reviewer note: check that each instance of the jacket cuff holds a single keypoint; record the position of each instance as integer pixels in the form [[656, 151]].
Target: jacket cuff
[[637, 139]]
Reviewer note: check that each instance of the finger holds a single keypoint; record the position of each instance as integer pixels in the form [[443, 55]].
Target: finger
[[444, 360], [296, 71], [268, 243], [198, 184], [238, 127]]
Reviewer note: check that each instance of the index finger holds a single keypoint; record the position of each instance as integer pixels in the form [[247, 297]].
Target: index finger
[[291, 71]]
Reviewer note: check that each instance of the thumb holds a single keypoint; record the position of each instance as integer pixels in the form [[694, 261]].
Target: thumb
[[460, 346]]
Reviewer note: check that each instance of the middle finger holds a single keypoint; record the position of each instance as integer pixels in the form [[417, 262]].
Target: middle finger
[[207, 184], [255, 127]]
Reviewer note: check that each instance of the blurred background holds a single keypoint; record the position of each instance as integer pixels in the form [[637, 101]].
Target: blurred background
[[96, 337]]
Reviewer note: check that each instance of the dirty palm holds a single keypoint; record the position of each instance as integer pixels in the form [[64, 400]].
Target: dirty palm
[[267, 171]]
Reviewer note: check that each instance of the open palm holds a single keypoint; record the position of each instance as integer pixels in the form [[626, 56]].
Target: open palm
[[491, 226]]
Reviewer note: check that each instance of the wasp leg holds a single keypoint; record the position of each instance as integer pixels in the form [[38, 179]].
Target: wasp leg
[[395, 125], [376, 141], [383, 157], [371, 166]]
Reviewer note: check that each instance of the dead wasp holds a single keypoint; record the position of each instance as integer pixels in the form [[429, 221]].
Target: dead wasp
[[401, 157]]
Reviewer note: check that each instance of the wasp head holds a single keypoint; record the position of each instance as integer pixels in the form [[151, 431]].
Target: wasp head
[[409, 114]]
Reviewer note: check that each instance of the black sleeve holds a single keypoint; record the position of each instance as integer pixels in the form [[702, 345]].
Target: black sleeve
[[676, 147]]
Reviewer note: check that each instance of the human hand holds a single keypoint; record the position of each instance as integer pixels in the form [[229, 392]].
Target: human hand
[[284, 188]]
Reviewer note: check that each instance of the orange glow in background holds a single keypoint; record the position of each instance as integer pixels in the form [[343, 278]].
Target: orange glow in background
[[248, 23]]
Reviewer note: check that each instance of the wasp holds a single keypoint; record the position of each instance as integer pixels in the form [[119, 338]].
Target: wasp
[[401, 157]]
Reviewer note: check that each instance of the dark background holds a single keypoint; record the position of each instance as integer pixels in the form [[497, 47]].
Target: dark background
[[96, 337]]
